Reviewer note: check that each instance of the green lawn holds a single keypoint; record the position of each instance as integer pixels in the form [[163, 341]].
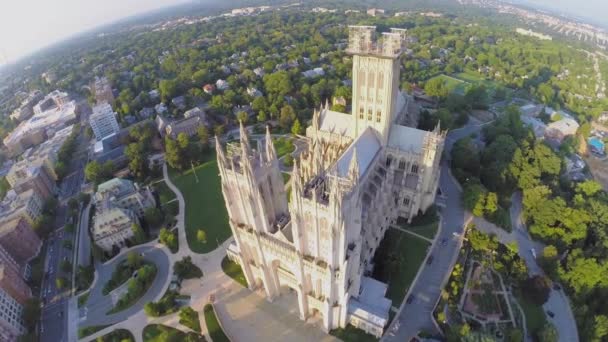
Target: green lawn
[[213, 325], [453, 84], [427, 230], [164, 193], [90, 330], [398, 259], [535, 315], [118, 335], [234, 271], [283, 146], [205, 207], [163, 333], [476, 78], [352, 334]]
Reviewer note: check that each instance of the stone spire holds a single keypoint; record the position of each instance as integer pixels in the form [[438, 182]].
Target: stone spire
[[244, 138], [317, 158], [296, 180], [315, 120], [219, 151], [353, 167], [271, 154], [437, 129]]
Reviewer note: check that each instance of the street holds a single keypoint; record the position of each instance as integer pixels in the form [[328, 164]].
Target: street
[[426, 290]]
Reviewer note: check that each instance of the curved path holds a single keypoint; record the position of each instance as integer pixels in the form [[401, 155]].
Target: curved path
[[98, 304]]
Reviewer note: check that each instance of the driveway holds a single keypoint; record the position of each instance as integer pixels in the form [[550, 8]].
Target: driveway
[[97, 305]]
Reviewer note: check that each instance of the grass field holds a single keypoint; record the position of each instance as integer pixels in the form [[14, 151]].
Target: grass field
[[459, 82], [205, 207], [427, 230], [352, 334], [398, 259], [453, 84], [162, 333], [234, 271], [213, 325]]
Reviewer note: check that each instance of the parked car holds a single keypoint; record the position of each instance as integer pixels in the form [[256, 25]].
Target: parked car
[[550, 313], [429, 260], [410, 299]]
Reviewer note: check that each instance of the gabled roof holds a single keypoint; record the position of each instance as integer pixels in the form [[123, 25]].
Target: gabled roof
[[367, 146], [406, 138], [338, 123]]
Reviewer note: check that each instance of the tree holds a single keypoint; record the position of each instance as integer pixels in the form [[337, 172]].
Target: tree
[[67, 244], [474, 198], [203, 135], [93, 172], [66, 266], [201, 236], [278, 83], [31, 313], [136, 153], [242, 117], [288, 115], [60, 282], [153, 216], [536, 289], [139, 236], [436, 88], [134, 260], [548, 333], [167, 89], [167, 238], [173, 154], [262, 116], [185, 269], [296, 129]]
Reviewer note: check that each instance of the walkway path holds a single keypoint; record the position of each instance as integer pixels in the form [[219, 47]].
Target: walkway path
[[412, 233]]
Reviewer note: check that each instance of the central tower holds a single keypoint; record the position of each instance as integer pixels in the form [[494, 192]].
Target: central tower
[[375, 77]]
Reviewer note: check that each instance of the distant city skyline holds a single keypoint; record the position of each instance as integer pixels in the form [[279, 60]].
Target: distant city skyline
[[29, 25], [592, 10]]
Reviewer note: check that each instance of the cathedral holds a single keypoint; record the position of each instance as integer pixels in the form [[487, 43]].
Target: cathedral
[[360, 173]]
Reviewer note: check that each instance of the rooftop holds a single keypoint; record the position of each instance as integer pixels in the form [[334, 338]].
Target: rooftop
[[366, 146]]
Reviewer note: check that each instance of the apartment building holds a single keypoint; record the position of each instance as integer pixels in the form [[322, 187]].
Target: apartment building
[[103, 121]]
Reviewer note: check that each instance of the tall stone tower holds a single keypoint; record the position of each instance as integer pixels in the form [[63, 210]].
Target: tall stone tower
[[376, 73]]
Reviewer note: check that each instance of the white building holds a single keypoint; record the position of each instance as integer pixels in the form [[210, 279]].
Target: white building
[[222, 85], [362, 172], [103, 121], [11, 323], [119, 204]]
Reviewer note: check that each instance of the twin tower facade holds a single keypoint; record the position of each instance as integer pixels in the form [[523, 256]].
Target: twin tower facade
[[360, 172]]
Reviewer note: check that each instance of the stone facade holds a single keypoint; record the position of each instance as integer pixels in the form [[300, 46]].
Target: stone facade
[[360, 173], [18, 244]]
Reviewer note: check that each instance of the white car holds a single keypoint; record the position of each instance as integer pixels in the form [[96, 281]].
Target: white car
[[533, 251]]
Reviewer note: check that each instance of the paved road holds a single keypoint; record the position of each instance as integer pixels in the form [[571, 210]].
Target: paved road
[[98, 304], [426, 290], [84, 242], [558, 302]]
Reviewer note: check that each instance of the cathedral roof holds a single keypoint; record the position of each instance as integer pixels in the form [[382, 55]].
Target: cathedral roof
[[366, 146], [407, 138], [338, 123]]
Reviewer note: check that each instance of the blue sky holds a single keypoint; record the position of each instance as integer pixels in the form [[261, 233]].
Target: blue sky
[[28, 25]]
